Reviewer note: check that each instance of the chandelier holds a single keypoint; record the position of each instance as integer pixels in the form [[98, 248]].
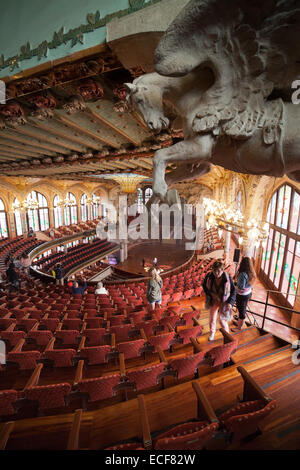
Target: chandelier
[[27, 204], [220, 216], [67, 202], [128, 182]]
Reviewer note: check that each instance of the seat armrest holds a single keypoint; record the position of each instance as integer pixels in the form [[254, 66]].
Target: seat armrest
[[5, 433], [79, 369], [73, 440], [252, 390], [205, 410], [147, 441], [196, 345], [35, 376]]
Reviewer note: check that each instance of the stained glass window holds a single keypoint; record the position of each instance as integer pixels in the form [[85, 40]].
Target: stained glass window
[[83, 208], [281, 257], [58, 219], [3, 220], [38, 218], [71, 211]]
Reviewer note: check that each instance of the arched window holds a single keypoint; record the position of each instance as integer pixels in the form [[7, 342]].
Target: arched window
[[3, 221], [281, 256], [58, 219], [38, 218], [140, 200], [84, 208], [71, 210], [238, 201], [18, 219], [96, 206], [148, 194]]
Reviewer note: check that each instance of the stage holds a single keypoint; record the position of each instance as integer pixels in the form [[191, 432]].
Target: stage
[[169, 256]]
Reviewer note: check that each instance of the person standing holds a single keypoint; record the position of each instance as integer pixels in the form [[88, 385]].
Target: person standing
[[154, 288], [13, 278], [79, 287], [245, 280], [59, 274], [220, 296]]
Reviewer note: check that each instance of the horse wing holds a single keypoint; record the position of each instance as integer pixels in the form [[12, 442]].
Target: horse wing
[[248, 47]]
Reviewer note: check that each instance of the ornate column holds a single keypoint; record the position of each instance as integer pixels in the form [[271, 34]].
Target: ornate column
[[227, 244], [23, 220], [51, 215], [11, 224]]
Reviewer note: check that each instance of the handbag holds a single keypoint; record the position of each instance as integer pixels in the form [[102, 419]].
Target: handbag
[[226, 312]]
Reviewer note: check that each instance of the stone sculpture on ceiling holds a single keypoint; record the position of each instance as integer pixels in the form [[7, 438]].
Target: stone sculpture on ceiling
[[227, 68]]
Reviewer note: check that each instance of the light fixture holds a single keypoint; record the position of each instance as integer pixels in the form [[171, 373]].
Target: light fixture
[[225, 217], [27, 204], [128, 182]]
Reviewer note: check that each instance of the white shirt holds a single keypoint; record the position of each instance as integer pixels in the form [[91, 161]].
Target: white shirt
[[101, 290]]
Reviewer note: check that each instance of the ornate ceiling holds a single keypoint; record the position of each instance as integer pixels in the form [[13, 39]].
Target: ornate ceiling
[[72, 121]]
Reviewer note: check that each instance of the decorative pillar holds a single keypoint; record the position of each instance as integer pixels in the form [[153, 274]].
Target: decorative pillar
[[23, 220], [11, 224], [51, 216], [227, 244]]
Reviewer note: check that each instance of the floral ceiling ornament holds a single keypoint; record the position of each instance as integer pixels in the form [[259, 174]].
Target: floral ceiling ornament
[[90, 89]]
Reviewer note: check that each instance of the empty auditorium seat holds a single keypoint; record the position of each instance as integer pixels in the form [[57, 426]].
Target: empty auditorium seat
[[7, 400], [48, 396], [164, 341], [185, 334], [95, 354], [25, 359], [60, 357], [131, 348], [186, 436], [187, 365], [99, 388], [146, 377]]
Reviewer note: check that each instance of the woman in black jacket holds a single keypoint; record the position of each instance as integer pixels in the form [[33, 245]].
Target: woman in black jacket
[[220, 297]]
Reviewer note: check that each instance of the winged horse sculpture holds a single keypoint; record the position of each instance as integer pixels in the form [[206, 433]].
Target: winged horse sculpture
[[227, 68]]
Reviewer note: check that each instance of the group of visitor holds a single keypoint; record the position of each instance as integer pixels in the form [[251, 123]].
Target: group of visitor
[[220, 290]]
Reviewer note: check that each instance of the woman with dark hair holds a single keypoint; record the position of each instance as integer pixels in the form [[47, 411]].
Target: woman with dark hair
[[220, 296], [245, 279]]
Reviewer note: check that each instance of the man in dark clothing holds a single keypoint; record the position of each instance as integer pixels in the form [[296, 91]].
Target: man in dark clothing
[[79, 289], [13, 278], [59, 274]]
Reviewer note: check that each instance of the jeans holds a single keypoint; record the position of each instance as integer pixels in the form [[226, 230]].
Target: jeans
[[213, 314], [241, 304]]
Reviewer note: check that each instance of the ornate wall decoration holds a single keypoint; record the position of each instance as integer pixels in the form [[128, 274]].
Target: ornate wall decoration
[[74, 35], [74, 104]]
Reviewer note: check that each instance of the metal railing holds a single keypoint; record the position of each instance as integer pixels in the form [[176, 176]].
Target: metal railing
[[264, 315]]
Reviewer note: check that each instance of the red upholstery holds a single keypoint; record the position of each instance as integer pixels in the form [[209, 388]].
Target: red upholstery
[[94, 323], [131, 349], [121, 331], [138, 316], [243, 418], [221, 354], [188, 316], [72, 323], [42, 337], [163, 340], [187, 436], [186, 365], [49, 396], [68, 336], [117, 320], [7, 399], [127, 446], [94, 336], [25, 359], [27, 324], [99, 388], [187, 333], [147, 326], [12, 336], [170, 319], [95, 354], [50, 323], [176, 309], [60, 357], [146, 377]]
